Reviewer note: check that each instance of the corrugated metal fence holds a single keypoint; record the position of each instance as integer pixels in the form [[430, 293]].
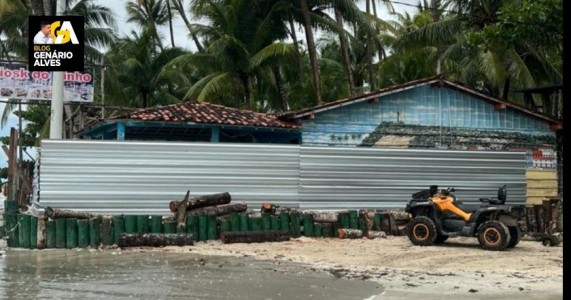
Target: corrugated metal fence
[[142, 177]]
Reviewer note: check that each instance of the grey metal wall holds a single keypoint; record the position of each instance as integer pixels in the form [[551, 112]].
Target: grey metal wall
[[142, 177], [338, 178]]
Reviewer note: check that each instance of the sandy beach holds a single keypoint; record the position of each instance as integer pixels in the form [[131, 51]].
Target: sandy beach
[[458, 268]]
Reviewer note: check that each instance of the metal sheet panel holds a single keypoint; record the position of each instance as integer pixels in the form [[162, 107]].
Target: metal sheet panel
[[142, 177], [127, 177], [351, 178]]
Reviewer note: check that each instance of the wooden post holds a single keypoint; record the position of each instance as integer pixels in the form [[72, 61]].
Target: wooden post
[[42, 231]]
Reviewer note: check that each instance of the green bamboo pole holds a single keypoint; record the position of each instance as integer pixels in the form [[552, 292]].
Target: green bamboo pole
[[157, 224], [50, 234], [275, 222], [234, 221], [377, 222], [192, 226], [363, 224], [317, 230], [202, 227], [225, 225], [353, 219], [94, 232], [295, 225], [33, 232], [266, 222], [118, 228], [71, 233], [244, 222], [130, 224], [212, 228], [308, 225], [344, 220], [24, 232], [83, 233], [60, 233], [143, 224], [169, 226], [12, 226], [256, 223], [334, 229], [284, 221]]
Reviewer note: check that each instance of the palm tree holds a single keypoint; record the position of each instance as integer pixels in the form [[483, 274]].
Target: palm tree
[[136, 76], [148, 14], [240, 50]]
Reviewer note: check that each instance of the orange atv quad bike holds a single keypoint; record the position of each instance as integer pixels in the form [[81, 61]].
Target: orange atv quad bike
[[437, 215]]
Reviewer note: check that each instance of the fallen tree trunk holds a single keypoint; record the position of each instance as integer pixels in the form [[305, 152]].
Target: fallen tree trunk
[[376, 234], [154, 239], [325, 217], [181, 207], [219, 210], [273, 209], [56, 213], [254, 236], [350, 233]]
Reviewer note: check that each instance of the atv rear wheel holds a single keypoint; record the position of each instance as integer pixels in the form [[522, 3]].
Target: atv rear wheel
[[515, 235], [494, 235], [421, 231]]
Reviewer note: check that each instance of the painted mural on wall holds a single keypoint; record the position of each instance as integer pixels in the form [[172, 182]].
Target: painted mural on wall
[[430, 117]]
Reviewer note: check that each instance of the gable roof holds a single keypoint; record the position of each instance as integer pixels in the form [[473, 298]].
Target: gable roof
[[436, 80], [206, 113]]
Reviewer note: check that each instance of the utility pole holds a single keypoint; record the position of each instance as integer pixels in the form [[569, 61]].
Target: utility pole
[[56, 115]]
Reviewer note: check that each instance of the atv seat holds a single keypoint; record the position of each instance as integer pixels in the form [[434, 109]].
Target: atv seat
[[467, 207], [501, 199]]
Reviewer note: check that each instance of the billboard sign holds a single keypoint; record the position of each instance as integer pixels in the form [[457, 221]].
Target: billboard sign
[[16, 81]]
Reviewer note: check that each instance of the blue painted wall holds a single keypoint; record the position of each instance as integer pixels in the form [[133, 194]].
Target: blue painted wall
[[424, 106]]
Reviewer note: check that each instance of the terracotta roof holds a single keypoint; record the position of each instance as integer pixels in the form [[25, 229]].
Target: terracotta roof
[[207, 113], [437, 80]]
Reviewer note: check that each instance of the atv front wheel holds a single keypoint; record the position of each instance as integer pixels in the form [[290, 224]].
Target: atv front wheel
[[515, 235], [421, 231], [494, 235]]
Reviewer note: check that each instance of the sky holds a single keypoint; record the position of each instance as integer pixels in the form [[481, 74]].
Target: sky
[[181, 40]]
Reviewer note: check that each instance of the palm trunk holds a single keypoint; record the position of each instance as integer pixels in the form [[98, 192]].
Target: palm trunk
[[345, 52], [370, 55], [312, 51], [47, 7], [506, 89], [296, 45], [169, 12], [280, 86], [178, 6], [246, 85]]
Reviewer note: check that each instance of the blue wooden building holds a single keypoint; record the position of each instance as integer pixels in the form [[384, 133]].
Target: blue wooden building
[[428, 113]]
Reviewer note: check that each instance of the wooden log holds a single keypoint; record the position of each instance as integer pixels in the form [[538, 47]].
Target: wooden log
[[180, 208], [56, 213], [346, 233], [254, 236], [559, 216], [41, 238], [376, 234], [530, 219], [273, 209], [326, 217], [219, 210], [155, 239]]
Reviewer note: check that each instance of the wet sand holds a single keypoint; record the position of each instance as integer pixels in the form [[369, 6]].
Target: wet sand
[[458, 268]]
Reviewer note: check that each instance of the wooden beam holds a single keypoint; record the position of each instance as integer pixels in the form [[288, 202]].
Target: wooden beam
[[374, 100]]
